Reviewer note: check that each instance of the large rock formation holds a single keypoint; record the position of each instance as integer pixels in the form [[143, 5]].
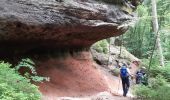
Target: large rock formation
[[36, 24], [47, 26]]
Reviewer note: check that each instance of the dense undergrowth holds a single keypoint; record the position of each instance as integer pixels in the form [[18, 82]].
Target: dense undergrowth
[[158, 87], [155, 90], [13, 86]]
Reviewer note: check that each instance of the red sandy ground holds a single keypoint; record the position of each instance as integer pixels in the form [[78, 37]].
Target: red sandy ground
[[74, 76]]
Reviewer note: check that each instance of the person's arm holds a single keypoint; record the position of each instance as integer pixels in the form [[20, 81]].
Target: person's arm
[[129, 72]]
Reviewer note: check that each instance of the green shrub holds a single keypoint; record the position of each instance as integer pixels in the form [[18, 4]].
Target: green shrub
[[162, 93], [101, 46], [99, 49], [145, 62], [157, 82], [167, 55], [116, 72], [146, 93], [155, 90], [143, 92], [14, 86], [167, 64], [156, 70], [164, 71]]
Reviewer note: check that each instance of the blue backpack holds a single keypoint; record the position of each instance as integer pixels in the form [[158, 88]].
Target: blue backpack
[[123, 72]]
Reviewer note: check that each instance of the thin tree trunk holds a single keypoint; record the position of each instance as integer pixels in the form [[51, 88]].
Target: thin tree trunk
[[155, 29]]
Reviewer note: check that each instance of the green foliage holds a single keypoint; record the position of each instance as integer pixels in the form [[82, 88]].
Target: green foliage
[[164, 71], [14, 86], [28, 63], [143, 92], [145, 62], [101, 46], [159, 82], [140, 39], [116, 72], [166, 44], [155, 90]]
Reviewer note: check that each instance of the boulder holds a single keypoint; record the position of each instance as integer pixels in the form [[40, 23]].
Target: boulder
[[108, 60]]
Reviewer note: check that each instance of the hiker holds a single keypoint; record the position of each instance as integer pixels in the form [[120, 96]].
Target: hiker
[[141, 76], [145, 79], [124, 74]]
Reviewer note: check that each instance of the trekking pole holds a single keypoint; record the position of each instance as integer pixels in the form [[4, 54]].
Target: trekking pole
[[118, 86]]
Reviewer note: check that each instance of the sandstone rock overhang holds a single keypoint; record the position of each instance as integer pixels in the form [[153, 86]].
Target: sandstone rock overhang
[[44, 24]]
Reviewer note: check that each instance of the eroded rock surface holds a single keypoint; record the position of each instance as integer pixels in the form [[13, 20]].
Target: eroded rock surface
[[26, 25]]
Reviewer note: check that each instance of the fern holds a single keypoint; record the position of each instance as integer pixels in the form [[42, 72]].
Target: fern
[[28, 63]]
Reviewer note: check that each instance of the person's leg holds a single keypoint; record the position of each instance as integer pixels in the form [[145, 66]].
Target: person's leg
[[137, 80], [123, 86], [127, 85]]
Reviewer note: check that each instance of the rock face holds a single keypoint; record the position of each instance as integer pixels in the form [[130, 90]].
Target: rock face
[[40, 27], [75, 75], [27, 25], [108, 59]]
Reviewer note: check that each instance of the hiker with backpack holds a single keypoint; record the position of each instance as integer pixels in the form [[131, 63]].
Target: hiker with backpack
[[124, 74], [141, 76]]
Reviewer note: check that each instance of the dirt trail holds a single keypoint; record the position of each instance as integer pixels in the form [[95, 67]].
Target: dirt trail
[[113, 98], [99, 96]]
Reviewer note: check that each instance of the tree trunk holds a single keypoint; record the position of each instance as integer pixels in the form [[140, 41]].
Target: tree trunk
[[155, 29]]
